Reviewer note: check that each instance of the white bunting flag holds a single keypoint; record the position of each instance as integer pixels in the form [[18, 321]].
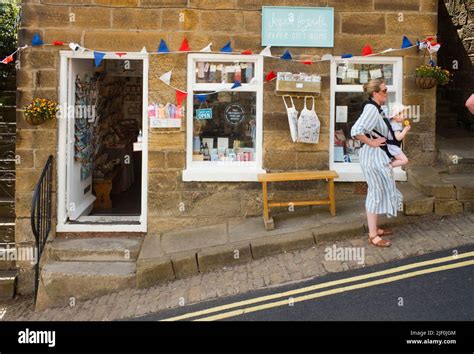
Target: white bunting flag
[[143, 51], [327, 57], [266, 52], [166, 78], [207, 48]]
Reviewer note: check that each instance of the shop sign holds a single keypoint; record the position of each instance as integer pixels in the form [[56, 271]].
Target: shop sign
[[298, 26], [234, 114], [204, 113]]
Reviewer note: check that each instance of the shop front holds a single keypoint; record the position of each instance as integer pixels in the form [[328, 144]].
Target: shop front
[[172, 110]]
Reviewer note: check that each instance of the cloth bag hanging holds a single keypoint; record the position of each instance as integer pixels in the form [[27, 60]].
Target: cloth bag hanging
[[292, 118], [308, 125]]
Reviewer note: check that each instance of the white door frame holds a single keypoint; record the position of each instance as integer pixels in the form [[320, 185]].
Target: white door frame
[[63, 225]]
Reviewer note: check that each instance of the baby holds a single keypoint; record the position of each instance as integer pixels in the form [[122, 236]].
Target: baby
[[396, 120]]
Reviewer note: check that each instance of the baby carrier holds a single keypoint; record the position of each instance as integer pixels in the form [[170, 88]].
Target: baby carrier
[[393, 141]]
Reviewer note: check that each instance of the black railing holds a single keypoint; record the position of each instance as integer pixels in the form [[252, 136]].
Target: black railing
[[41, 213]]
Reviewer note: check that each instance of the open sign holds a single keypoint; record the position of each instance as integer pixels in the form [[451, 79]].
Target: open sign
[[205, 113]]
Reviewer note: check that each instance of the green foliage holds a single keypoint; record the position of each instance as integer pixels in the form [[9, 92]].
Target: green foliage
[[442, 76], [9, 15]]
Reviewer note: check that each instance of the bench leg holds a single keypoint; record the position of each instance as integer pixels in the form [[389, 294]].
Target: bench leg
[[269, 225], [332, 198]]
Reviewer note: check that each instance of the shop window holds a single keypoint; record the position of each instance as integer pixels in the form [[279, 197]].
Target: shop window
[[347, 99], [224, 124]]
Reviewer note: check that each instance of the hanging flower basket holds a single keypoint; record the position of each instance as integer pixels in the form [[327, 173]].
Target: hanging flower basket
[[428, 76], [425, 82], [40, 110]]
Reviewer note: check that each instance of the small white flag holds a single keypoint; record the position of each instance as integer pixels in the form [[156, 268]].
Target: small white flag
[[327, 57], [166, 78], [207, 48], [143, 51], [266, 52], [253, 81], [388, 50]]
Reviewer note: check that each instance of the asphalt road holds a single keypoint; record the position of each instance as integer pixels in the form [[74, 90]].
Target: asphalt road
[[440, 289]]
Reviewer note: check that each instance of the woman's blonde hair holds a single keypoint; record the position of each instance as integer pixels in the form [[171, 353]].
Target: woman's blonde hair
[[373, 86]]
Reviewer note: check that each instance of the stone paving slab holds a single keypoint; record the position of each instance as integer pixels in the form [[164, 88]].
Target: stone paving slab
[[428, 234]]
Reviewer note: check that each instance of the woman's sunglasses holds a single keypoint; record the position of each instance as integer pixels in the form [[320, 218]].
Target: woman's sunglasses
[[384, 90]]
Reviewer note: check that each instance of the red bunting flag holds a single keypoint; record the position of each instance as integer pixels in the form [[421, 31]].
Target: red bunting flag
[[184, 46], [7, 60], [120, 54], [247, 52], [367, 50], [58, 43], [270, 76], [180, 96], [307, 62]]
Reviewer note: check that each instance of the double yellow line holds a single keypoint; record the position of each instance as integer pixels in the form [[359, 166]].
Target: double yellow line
[[241, 307]]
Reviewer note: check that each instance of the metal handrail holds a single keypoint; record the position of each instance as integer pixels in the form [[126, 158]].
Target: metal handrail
[[41, 212]]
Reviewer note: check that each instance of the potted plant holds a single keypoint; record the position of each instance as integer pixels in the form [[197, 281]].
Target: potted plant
[[428, 76], [40, 110]]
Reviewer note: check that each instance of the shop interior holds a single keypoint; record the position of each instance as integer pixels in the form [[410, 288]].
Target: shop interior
[[108, 119], [224, 127]]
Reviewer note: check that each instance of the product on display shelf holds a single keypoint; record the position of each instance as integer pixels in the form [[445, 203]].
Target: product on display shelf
[[292, 119]]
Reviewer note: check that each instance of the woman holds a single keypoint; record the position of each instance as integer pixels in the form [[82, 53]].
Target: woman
[[383, 196]]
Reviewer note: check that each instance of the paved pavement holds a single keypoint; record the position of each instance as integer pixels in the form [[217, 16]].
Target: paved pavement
[[429, 235], [433, 287]]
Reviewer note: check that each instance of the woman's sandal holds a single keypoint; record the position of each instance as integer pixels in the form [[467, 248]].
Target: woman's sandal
[[379, 242], [381, 232]]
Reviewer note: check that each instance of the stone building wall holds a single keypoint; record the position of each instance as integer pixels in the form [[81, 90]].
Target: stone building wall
[[128, 25]]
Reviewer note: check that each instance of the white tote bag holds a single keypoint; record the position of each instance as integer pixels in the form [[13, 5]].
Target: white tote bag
[[292, 119], [308, 125]]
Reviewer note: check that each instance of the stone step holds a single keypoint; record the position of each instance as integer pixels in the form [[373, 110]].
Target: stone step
[[63, 282], [415, 202], [7, 284], [463, 183], [94, 249], [428, 181]]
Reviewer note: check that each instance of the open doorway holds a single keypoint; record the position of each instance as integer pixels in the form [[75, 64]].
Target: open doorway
[[104, 186]]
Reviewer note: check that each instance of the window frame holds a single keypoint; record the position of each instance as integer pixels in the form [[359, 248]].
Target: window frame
[[351, 171], [234, 171]]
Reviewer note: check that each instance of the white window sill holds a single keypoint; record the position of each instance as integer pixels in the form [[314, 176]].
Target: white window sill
[[352, 172], [215, 173]]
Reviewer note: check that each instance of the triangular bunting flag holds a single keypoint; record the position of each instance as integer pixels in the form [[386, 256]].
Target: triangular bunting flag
[[201, 97], [36, 40], [166, 78], [74, 46], [286, 55], [327, 57], [266, 52], [58, 43], [307, 62], [184, 46], [388, 50], [180, 96], [247, 52], [207, 48], [253, 81], [163, 48], [120, 54], [406, 43], [433, 47], [227, 48], [270, 76], [7, 60], [98, 56], [236, 84], [367, 50], [143, 51], [346, 56]]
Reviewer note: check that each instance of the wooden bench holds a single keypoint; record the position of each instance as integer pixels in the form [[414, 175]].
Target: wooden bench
[[296, 176]]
